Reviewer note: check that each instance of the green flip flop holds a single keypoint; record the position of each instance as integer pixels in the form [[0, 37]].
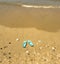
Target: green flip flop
[[30, 43], [24, 44]]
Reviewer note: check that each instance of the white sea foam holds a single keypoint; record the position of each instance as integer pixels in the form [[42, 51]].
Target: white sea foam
[[35, 6], [31, 6]]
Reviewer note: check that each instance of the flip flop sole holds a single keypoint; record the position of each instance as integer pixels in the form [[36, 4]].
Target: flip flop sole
[[30, 43], [24, 44]]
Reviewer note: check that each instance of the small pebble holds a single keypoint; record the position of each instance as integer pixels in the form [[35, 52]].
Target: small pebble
[[1, 48], [9, 53], [53, 48], [27, 52], [9, 57], [17, 39], [9, 42], [39, 40]]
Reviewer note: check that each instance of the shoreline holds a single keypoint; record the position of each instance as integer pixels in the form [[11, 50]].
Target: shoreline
[[30, 6]]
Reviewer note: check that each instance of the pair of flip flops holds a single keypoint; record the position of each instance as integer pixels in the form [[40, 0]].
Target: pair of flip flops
[[29, 42]]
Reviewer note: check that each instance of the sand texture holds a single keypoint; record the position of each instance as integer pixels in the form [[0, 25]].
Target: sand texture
[[41, 26]]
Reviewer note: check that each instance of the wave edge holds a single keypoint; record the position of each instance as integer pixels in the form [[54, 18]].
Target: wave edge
[[30, 6]]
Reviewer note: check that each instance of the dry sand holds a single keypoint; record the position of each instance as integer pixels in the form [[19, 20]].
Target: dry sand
[[41, 26]]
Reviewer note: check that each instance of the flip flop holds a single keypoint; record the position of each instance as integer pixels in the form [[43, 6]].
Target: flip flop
[[30, 43], [24, 44]]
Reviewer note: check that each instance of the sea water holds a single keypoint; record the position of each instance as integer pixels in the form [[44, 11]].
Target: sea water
[[35, 2]]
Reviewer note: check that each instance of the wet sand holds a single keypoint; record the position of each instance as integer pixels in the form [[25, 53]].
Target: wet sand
[[41, 26]]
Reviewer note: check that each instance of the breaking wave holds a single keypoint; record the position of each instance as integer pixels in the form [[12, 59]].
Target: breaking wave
[[30, 6], [33, 6]]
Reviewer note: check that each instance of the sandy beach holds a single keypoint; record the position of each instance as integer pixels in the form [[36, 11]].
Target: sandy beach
[[41, 26]]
